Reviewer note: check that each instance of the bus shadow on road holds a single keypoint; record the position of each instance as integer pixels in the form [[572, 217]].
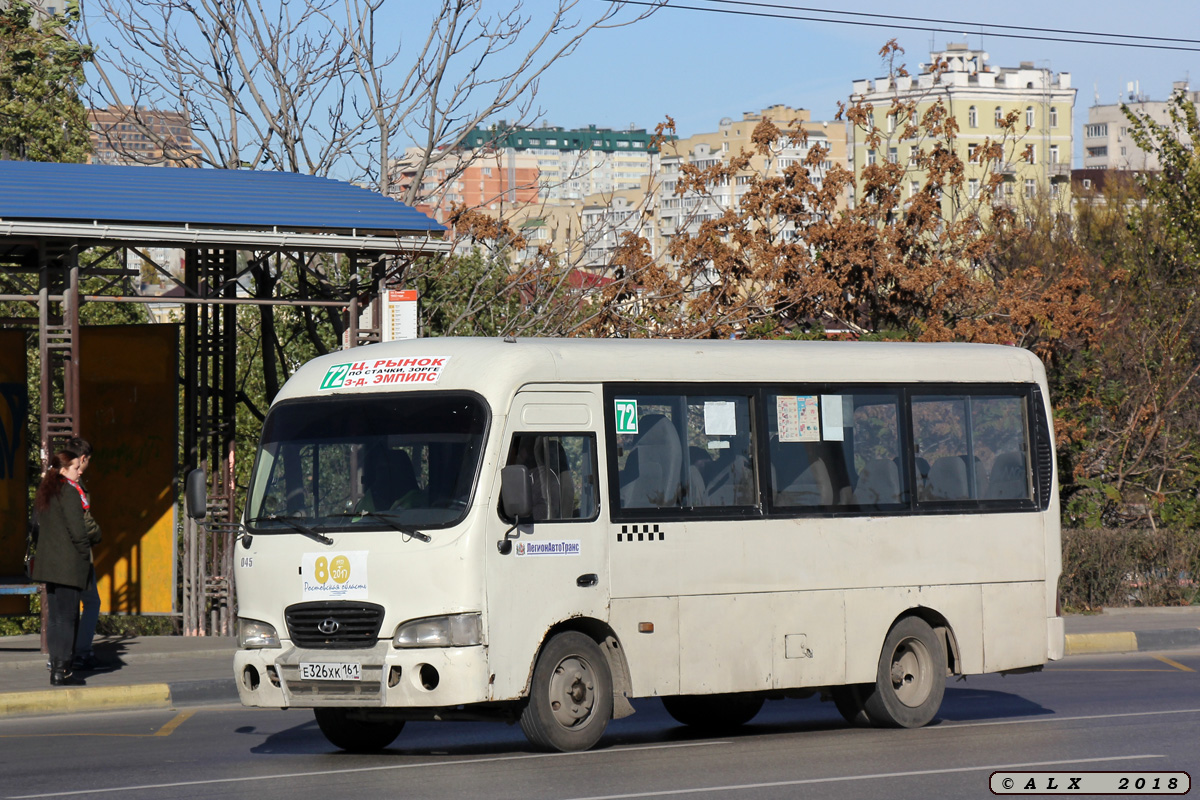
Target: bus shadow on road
[[978, 705]]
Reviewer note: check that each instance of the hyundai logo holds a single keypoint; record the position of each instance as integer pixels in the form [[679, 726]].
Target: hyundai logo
[[328, 626]]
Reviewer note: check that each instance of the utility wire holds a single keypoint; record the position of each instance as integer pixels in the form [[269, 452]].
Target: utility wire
[[957, 23], [957, 29]]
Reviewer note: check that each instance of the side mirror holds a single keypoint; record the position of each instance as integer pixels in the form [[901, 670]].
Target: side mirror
[[516, 492], [195, 493]]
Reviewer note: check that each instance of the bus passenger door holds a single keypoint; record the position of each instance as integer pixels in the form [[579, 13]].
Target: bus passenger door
[[557, 567]]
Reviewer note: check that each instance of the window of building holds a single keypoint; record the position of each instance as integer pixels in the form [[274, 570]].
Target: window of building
[[999, 116], [870, 158], [1053, 117], [1053, 154], [973, 188], [1097, 152], [891, 123], [1033, 154], [913, 188], [973, 117], [893, 155], [1030, 187], [1095, 130], [1029, 116], [972, 147], [1054, 187]]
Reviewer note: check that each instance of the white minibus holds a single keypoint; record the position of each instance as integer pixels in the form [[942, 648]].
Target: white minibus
[[540, 530]]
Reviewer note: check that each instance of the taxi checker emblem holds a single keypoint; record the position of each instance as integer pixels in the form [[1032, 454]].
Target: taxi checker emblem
[[328, 626]]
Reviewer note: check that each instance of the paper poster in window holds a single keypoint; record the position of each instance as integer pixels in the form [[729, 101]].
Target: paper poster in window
[[799, 420], [720, 418], [832, 423]]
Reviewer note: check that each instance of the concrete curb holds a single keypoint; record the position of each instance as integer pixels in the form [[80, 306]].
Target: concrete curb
[[113, 698], [83, 698], [1131, 641]]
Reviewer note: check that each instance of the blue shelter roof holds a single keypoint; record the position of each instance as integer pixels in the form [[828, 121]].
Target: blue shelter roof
[[226, 199]]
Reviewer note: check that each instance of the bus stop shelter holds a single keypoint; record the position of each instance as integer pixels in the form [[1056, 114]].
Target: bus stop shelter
[[63, 223]]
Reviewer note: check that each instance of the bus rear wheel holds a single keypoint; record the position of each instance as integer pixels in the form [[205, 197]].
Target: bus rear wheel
[[356, 735], [713, 712], [570, 700], [910, 679]]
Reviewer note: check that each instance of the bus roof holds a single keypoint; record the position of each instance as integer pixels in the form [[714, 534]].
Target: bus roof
[[495, 367]]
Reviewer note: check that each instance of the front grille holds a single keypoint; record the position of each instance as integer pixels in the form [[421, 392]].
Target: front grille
[[357, 624]]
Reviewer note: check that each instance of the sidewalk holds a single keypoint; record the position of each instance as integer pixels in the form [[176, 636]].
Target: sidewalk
[[167, 671]]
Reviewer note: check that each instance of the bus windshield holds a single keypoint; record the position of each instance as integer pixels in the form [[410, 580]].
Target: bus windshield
[[397, 462]]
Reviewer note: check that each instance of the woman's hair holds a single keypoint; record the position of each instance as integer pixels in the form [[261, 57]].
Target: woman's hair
[[52, 481]]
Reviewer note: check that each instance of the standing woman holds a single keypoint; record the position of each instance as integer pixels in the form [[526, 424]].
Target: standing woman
[[63, 558]]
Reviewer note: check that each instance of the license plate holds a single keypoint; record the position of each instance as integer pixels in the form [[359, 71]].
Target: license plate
[[330, 672]]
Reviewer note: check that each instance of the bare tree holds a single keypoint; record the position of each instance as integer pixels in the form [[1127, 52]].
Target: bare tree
[[325, 86]]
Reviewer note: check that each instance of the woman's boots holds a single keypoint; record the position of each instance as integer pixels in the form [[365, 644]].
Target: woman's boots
[[60, 673]]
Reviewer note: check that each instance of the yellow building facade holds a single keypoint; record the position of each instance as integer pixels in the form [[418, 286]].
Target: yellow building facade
[[1037, 150]]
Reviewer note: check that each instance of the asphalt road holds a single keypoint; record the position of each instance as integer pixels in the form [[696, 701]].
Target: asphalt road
[[1137, 712]]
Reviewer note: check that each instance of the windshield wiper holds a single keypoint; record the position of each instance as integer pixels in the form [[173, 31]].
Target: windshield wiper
[[390, 519], [291, 522]]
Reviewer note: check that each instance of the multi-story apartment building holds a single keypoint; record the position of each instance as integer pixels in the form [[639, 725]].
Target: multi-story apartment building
[[142, 137], [979, 97], [1107, 144], [677, 212], [573, 164], [587, 231], [487, 180]]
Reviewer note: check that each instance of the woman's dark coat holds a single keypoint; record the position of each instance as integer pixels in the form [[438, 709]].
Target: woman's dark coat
[[64, 552]]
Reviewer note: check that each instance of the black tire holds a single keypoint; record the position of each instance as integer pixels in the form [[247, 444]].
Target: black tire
[[910, 679], [713, 712], [356, 736], [849, 701], [570, 700]]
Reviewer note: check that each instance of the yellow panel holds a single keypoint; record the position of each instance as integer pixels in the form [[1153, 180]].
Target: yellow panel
[[129, 405], [14, 405]]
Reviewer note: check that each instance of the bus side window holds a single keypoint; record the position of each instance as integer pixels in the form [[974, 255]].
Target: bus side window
[[562, 468]]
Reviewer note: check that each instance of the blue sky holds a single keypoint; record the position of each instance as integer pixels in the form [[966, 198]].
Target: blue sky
[[698, 67]]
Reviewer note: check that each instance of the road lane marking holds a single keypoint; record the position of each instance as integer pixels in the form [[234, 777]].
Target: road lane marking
[[1074, 669], [869, 777], [357, 770], [169, 728], [1174, 664], [165, 730], [950, 726]]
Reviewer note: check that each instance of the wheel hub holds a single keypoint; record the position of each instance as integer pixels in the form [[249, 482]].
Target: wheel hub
[[572, 692]]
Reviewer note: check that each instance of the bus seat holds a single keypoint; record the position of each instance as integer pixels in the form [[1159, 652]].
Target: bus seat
[[1009, 479], [813, 487], [552, 457], [878, 483], [948, 479], [659, 462]]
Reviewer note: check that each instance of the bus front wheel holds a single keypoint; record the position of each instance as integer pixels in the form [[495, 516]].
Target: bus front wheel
[[355, 735], [570, 700], [911, 677]]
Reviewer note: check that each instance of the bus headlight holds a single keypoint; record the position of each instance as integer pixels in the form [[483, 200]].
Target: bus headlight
[[455, 630], [253, 634]]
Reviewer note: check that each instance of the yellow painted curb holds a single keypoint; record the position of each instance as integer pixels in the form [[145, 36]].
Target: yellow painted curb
[[145, 695], [1079, 643]]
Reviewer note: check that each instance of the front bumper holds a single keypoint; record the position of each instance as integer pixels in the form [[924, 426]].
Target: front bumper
[[391, 678]]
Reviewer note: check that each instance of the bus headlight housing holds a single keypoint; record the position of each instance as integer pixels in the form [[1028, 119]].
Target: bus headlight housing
[[454, 630], [253, 635]]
